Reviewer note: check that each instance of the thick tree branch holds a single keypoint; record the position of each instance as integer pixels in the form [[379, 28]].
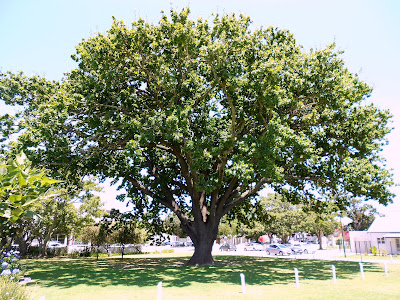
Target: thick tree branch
[[239, 199]]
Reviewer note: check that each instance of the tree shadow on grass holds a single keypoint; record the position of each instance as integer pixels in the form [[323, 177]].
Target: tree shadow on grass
[[143, 272]]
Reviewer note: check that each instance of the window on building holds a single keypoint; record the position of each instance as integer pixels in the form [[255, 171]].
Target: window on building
[[381, 240], [398, 244]]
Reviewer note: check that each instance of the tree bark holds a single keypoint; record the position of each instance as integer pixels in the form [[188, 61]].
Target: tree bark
[[202, 255], [320, 235], [23, 246], [203, 237]]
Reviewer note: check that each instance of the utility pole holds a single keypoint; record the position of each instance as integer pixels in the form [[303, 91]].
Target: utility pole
[[344, 247]]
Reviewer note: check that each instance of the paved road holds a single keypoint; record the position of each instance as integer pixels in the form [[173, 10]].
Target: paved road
[[330, 254]]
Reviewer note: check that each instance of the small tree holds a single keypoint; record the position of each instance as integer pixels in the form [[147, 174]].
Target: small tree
[[172, 225], [98, 235], [321, 221], [286, 218], [21, 186], [125, 230]]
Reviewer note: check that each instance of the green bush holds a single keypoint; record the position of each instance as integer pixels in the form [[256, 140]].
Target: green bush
[[101, 254], [86, 252], [383, 252], [32, 251], [10, 289], [374, 250], [168, 251]]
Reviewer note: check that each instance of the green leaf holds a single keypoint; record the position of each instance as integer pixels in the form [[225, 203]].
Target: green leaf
[[21, 180], [15, 198], [48, 181]]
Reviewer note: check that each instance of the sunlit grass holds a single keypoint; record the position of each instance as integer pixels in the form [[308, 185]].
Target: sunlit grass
[[372, 257], [136, 277]]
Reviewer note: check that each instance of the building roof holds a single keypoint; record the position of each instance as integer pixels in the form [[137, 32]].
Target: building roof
[[392, 235], [385, 224]]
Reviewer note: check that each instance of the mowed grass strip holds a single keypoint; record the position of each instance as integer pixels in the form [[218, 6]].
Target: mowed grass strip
[[136, 277]]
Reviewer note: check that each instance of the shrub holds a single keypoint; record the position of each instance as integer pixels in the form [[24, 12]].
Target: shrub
[[374, 250], [10, 267], [10, 289], [168, 251], [101, 254], [383, 252], [86, 252], [74, 254], [10, 277], [33, 251]]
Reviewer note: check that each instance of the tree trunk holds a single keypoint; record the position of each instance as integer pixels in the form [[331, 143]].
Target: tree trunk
[[320, 235], [203, 242], [23, 246], [285, 239], [202, 255]]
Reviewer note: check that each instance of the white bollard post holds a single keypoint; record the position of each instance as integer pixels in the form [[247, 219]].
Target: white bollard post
[[391, 258], [362, 270], [386, 271], [243, 283], [159, 291], [296, 277], [334, 274]]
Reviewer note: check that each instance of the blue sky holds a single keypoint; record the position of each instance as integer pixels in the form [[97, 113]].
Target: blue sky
[[38, 37]]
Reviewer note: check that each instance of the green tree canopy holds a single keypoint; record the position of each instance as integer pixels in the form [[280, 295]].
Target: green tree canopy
[[196, 117], [66, 209], [20, 186], [286, 217], [361, 214], [126, 229]]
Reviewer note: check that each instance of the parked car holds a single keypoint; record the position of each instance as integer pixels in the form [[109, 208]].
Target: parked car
[[296, 249], [178, 244], [227, 247], [54, 244], [253, 247], [278, 249], [189, 244], [306, 248]]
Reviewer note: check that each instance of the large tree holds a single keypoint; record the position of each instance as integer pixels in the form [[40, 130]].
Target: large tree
[[196, 117], [361, 214]]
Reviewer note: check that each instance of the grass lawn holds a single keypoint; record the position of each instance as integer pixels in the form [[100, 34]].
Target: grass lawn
[[136, 277], [373, 257]]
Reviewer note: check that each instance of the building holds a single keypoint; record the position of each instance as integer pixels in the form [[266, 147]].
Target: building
[[384, 234]]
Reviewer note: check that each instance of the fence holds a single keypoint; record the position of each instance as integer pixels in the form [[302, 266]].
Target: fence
[[362, 247]]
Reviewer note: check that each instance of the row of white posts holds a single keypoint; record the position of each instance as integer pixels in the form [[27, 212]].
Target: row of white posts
[[296, 277], [296, 273]]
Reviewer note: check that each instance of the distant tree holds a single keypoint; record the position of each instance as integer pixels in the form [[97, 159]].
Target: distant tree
[[283, 216], [286, 218], [69, 209], [99, 235], [125, 229], [172, 225], [228, 228], [320, 224], [361, 214]]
